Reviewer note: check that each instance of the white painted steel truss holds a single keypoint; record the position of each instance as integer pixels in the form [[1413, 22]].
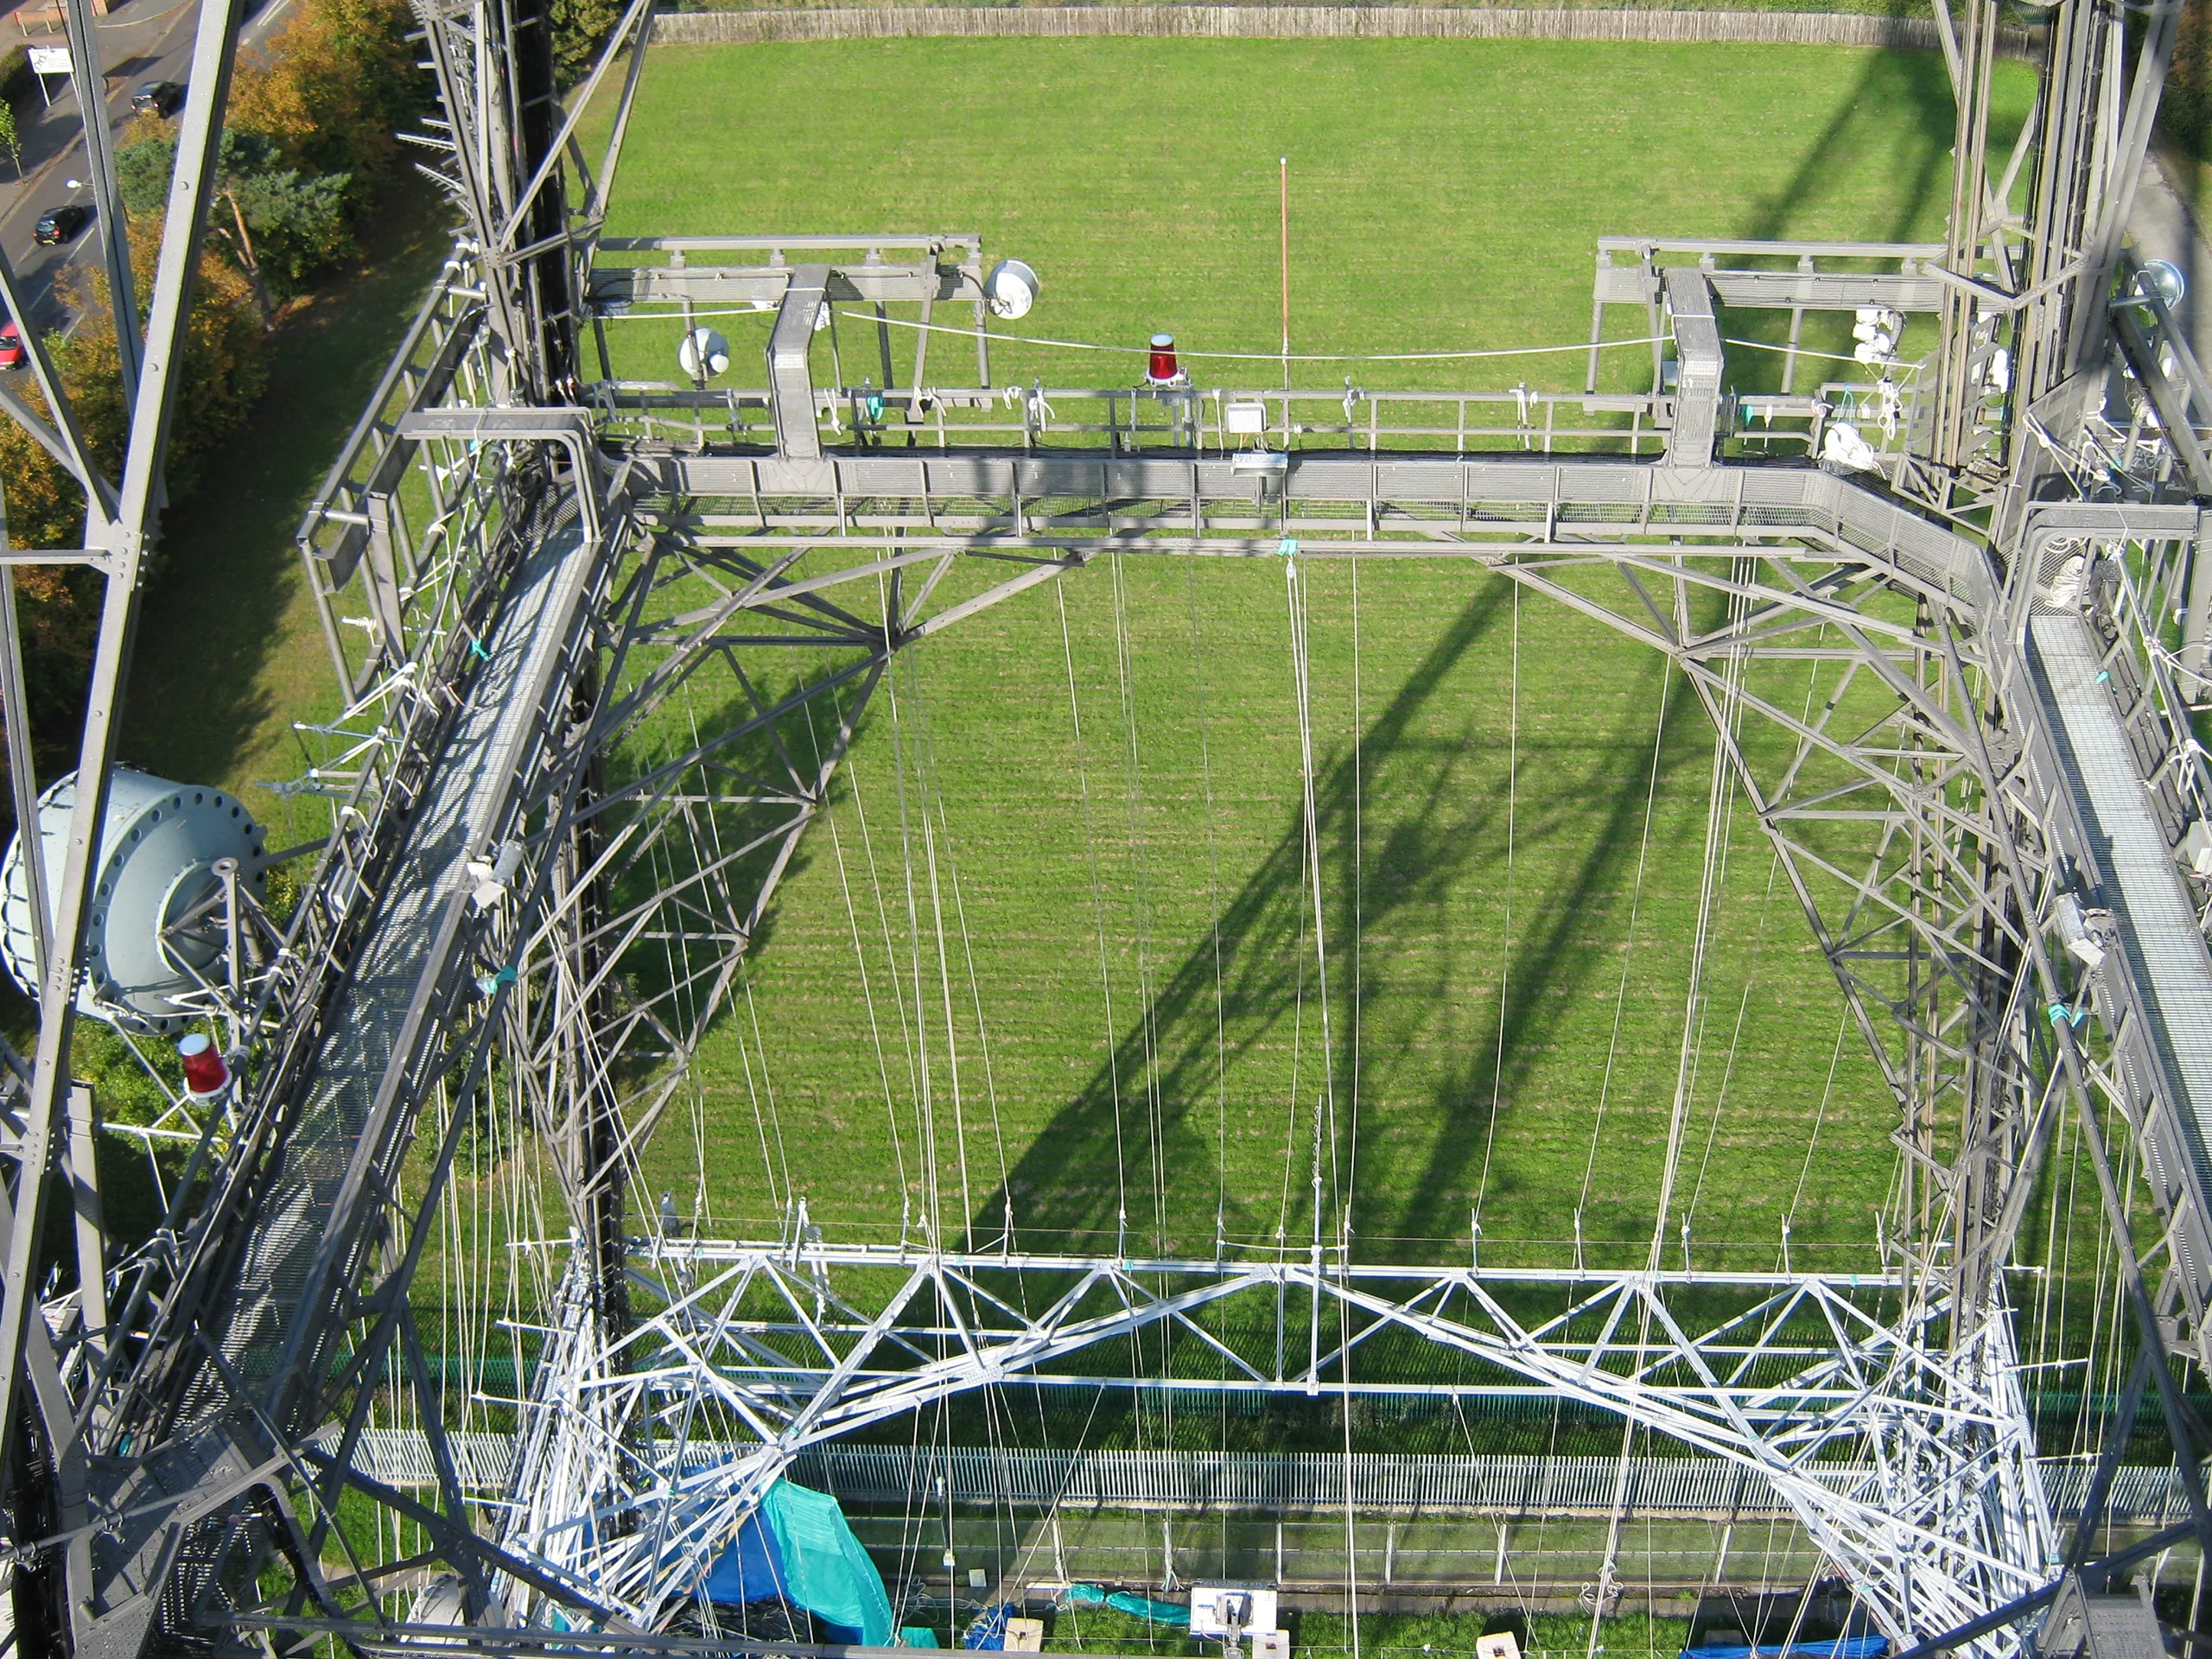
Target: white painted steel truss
[[743, 1356], [1860, 653]]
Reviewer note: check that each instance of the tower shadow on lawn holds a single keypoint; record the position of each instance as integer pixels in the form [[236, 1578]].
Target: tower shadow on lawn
[[1066, 1190], [1916, 80], [229, 649]]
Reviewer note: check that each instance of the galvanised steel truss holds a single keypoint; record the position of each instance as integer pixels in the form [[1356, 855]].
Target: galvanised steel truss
[[549, 568]]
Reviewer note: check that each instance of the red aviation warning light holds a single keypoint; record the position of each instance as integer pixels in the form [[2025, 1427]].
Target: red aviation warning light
[[206, 1075]]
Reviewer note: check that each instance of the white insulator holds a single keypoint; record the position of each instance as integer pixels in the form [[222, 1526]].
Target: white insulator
[[157, 853]]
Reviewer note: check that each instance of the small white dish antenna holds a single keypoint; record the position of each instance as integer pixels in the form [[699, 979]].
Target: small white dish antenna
[[703, 354], [1011, 288], [2164, 278]]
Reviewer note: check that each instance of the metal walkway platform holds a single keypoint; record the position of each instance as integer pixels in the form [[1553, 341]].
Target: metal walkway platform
[[362, 1039], [2138, 879]]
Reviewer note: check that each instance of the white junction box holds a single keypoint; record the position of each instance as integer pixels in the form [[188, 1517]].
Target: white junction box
[[1216, 1607], [1269, 1644]]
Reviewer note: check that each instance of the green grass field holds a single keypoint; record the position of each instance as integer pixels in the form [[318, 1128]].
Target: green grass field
[[1444, 196], [1105, 1010]]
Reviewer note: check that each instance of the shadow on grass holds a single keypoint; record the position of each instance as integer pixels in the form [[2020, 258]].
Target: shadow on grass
[[229, 649], [1918, 82], [1127, 1137]]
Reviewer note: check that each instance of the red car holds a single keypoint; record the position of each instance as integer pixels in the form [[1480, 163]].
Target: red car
[[12, 354]]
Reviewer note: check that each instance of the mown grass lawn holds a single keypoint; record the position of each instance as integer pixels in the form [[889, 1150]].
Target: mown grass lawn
[[1052, 954]]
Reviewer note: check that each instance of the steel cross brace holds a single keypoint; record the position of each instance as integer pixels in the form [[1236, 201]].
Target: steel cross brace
[[756, 1351]]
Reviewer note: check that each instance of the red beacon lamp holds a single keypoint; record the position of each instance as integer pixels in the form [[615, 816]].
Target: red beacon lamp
[[206, 1075], [1162, 369]]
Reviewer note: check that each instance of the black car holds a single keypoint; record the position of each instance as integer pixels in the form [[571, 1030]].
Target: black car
[[158, 98], [58, 224]]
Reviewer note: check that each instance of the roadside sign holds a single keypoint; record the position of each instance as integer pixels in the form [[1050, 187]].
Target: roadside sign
[[49, 60]]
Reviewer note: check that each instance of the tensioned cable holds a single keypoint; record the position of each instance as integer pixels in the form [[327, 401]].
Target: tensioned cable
[[1812, 1145], [1628, 953], [925, 788], [870, 318], [1213, 909], [1505, 962], [928, 745], [1297, 1060], [1358, 900], [1140, 898], [983, 1031], [1719, 801], [1099, 914], [925, 1102], [1344, 1377], [1802, 351], [1301, 671], [860, 957]]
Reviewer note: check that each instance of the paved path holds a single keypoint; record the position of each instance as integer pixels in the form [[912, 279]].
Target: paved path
[[140, 41]]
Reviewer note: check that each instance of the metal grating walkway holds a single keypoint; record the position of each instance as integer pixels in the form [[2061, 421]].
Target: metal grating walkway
[[2141, 882], [362, 1030]]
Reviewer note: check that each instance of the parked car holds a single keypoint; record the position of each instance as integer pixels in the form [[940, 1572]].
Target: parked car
[[158, 98], [60, 224], [12, 354]]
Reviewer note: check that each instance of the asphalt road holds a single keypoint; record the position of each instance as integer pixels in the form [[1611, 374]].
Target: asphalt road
[[140, 41]]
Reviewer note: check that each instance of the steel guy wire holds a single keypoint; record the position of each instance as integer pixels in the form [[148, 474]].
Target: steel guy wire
[[883, 918], [1344, 1377], [775, 1118], [1736, 1035], [868, 992], [1213, 912], [926, 789], [1302, 672], [1359, 895], [634, 315], [1133, 796], [1719, 796], [1813, 1142], [1097, 912], [932, 1219], [1628, 952], [1505, 960], [974, 986]]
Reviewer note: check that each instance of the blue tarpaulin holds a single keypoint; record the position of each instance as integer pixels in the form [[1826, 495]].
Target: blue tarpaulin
[[987, 1633], [797, 1547], [1847, 1647]]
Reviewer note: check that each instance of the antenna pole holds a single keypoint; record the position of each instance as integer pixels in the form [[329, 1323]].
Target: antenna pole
[[1286, 272]]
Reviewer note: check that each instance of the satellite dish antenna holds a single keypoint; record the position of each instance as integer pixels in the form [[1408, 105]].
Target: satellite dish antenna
[[2164, 278], [1011, 288], [703, 354]]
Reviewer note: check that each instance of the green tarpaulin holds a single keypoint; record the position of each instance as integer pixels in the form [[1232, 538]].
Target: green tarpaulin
[[825, 1570]]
